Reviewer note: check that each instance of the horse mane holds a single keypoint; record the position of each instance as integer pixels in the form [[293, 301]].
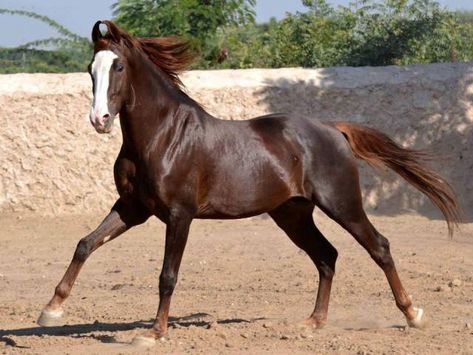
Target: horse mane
[[170, 54]]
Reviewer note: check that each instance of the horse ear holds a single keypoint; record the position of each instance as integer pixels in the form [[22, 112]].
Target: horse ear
[[105, 29], [113, 32], [96, 34]]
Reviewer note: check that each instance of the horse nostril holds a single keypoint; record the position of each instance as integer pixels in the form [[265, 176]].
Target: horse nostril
[[106, 116]]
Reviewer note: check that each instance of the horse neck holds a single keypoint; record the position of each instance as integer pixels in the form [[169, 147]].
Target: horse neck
[[151, 113]]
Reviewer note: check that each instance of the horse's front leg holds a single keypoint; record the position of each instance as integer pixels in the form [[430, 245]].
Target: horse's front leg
[[177, 231], [121, 218]]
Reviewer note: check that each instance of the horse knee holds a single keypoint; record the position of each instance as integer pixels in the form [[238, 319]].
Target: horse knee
[[83, 250], [326, 271], [167, 282], [331, 254], [326, 266]]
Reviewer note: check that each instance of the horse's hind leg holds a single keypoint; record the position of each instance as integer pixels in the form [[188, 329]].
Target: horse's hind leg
[[344, 205], [295, 218], [378, 248], [121, 218]]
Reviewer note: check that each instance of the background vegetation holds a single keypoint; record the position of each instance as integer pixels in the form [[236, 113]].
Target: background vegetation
[[66, 53], [225, 35]]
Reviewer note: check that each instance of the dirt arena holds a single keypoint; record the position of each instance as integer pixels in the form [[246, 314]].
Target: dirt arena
[[243, 288]]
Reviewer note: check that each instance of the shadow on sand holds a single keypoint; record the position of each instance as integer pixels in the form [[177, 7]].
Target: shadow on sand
[[203, 320]]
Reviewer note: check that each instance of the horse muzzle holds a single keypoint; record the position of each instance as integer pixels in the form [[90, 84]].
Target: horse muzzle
[[102, 123]]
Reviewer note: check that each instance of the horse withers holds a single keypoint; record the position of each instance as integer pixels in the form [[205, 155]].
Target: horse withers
[[177, 162]]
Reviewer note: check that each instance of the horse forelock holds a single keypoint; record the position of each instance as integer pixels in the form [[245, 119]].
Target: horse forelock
[[170, 54]]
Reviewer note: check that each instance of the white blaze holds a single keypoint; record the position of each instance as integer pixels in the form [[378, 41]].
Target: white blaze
[[100, 70]]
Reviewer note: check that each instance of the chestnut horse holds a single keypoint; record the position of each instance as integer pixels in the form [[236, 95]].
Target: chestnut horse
[[177, 162]]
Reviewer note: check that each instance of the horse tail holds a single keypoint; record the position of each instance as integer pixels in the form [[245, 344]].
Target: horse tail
[[378, 150]]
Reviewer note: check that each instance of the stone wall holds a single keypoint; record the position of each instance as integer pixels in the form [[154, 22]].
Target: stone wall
[[53, 162]]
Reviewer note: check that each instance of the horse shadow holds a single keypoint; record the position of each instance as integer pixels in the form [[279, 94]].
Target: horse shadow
[[426, 107], [201, 320]]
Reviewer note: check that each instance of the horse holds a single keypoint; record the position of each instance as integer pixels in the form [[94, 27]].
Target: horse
[[177, 162]]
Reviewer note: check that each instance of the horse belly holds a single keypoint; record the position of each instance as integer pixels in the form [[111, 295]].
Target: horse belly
[[231, 201]]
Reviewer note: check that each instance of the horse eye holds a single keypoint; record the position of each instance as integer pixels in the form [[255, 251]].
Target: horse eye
[[120, 67]]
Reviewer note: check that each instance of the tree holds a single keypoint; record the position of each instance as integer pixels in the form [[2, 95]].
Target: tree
[[224, 33], [392, 32], [198, 21], [370, 32], [65, 53]]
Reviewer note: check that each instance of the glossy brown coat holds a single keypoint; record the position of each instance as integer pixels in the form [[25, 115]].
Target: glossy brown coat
[[178, 162]]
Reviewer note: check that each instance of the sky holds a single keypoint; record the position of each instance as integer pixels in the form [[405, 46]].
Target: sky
[[80, 15]]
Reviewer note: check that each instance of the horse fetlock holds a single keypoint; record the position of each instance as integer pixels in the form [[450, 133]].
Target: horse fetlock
[[61, 292]]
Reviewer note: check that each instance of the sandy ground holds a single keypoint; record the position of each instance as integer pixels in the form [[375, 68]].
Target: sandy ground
[[243, 288]]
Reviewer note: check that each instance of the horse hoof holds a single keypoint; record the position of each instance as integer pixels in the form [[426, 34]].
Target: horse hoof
[[419, 320], [143, 341], [312, 323], [51, 318]]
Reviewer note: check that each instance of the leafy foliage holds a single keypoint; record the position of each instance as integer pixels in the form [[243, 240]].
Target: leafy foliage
[[198, 21], [225, 34], [66, 53], [464, 16], [24, 60], [364, 33]]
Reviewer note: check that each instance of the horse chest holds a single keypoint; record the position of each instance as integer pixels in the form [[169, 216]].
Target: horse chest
[[147, 184], [131, 183]]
